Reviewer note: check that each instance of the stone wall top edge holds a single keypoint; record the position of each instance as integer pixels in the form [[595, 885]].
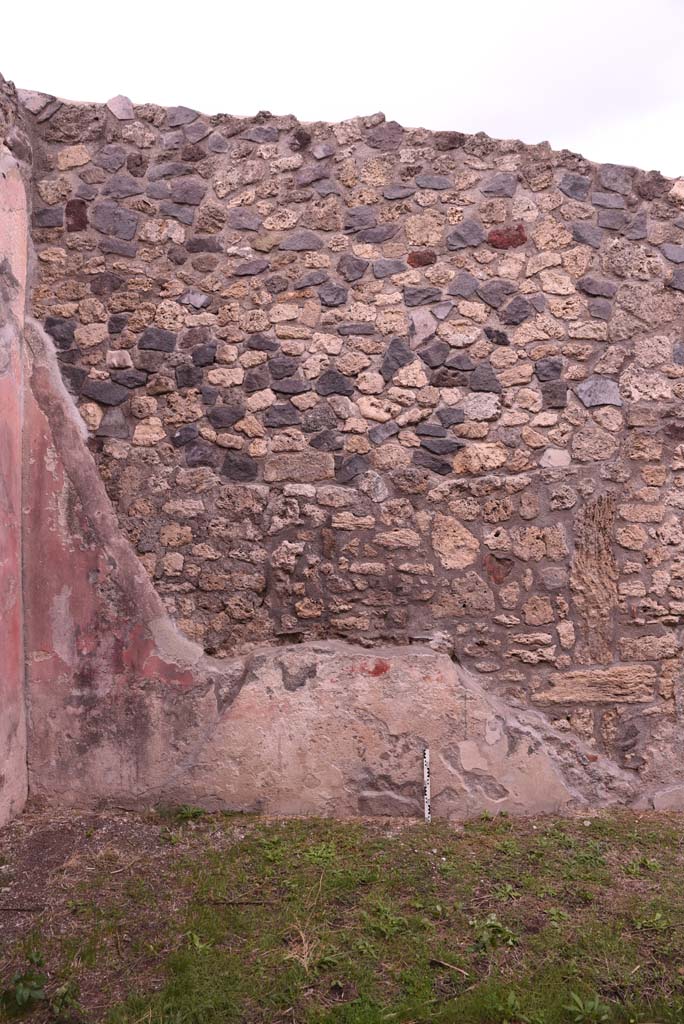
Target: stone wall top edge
[[417, 135]]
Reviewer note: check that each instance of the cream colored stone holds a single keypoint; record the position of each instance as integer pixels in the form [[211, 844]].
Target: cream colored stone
[[455, 546], [72, 156], [149, 432], [616, 685]]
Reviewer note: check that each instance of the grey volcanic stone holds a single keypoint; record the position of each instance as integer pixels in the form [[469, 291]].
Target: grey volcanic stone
[[158, 339], [308, 174], [588, 234], [398, 354], [359, 217], [208, 244], [201, 453], [638, 229], [677, 280], [386, 136], [441, 445], [600, 308], [204, 355], [554, 394], [352, 268], [251, 267], [291, 386], [576, 186], [495, 291], [121, 107], [184, 435], [177, 116], [196, 131], [61, 331], [110, 157], [598, 391], [464, 284], [387, 268], [497, 337], [49, 217], [483, 378], [432, 462], [614, 220], [261, 133], [222, 416], [517, 310], [593, 285], [350, 469], [238, 466], [243, 219], [421, 296], [451, 416], [608, 200], [106, 392], [673, 253], [301, 241], [322, 150], [130, 378], [615, 178], [332, 382], [434, 354], [398, 191], [118, 247], [283, 366], [430, 430], [438, 182], [502, 184], [333, 294], [383, 431], [216, 143], [111, 219], [379, 234], [328, 441], [120, 186], [170, 169], [185, 214], [189, 191], [549, 368], [310, 280], [467, 233], [281, 416]]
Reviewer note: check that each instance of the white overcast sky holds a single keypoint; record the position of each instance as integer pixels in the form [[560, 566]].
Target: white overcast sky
[[602, 77]]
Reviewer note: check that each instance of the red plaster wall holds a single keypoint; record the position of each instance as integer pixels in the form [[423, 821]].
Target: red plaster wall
[[13, 259]]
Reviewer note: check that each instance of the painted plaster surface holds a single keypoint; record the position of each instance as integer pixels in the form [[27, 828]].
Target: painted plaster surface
[[13, 255]]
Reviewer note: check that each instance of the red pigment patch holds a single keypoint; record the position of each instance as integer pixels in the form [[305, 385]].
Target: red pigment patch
[[507, 238], [498, 568], [379, 668]]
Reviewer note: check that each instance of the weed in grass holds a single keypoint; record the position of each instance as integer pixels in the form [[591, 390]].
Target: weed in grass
[[587, 1009], [511, 1012], [186, 812], [27, 988], [506, 892], [491, 933], [556, 917], [641, 866], [383, 922]]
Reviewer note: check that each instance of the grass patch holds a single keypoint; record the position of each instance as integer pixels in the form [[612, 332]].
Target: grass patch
[[187, 917]]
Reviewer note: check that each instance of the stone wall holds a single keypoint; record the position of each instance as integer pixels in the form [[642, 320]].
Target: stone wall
[[361, 385]]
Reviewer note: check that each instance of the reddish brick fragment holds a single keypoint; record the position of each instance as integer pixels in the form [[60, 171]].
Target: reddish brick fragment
[[507, 238], [422, 258]]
